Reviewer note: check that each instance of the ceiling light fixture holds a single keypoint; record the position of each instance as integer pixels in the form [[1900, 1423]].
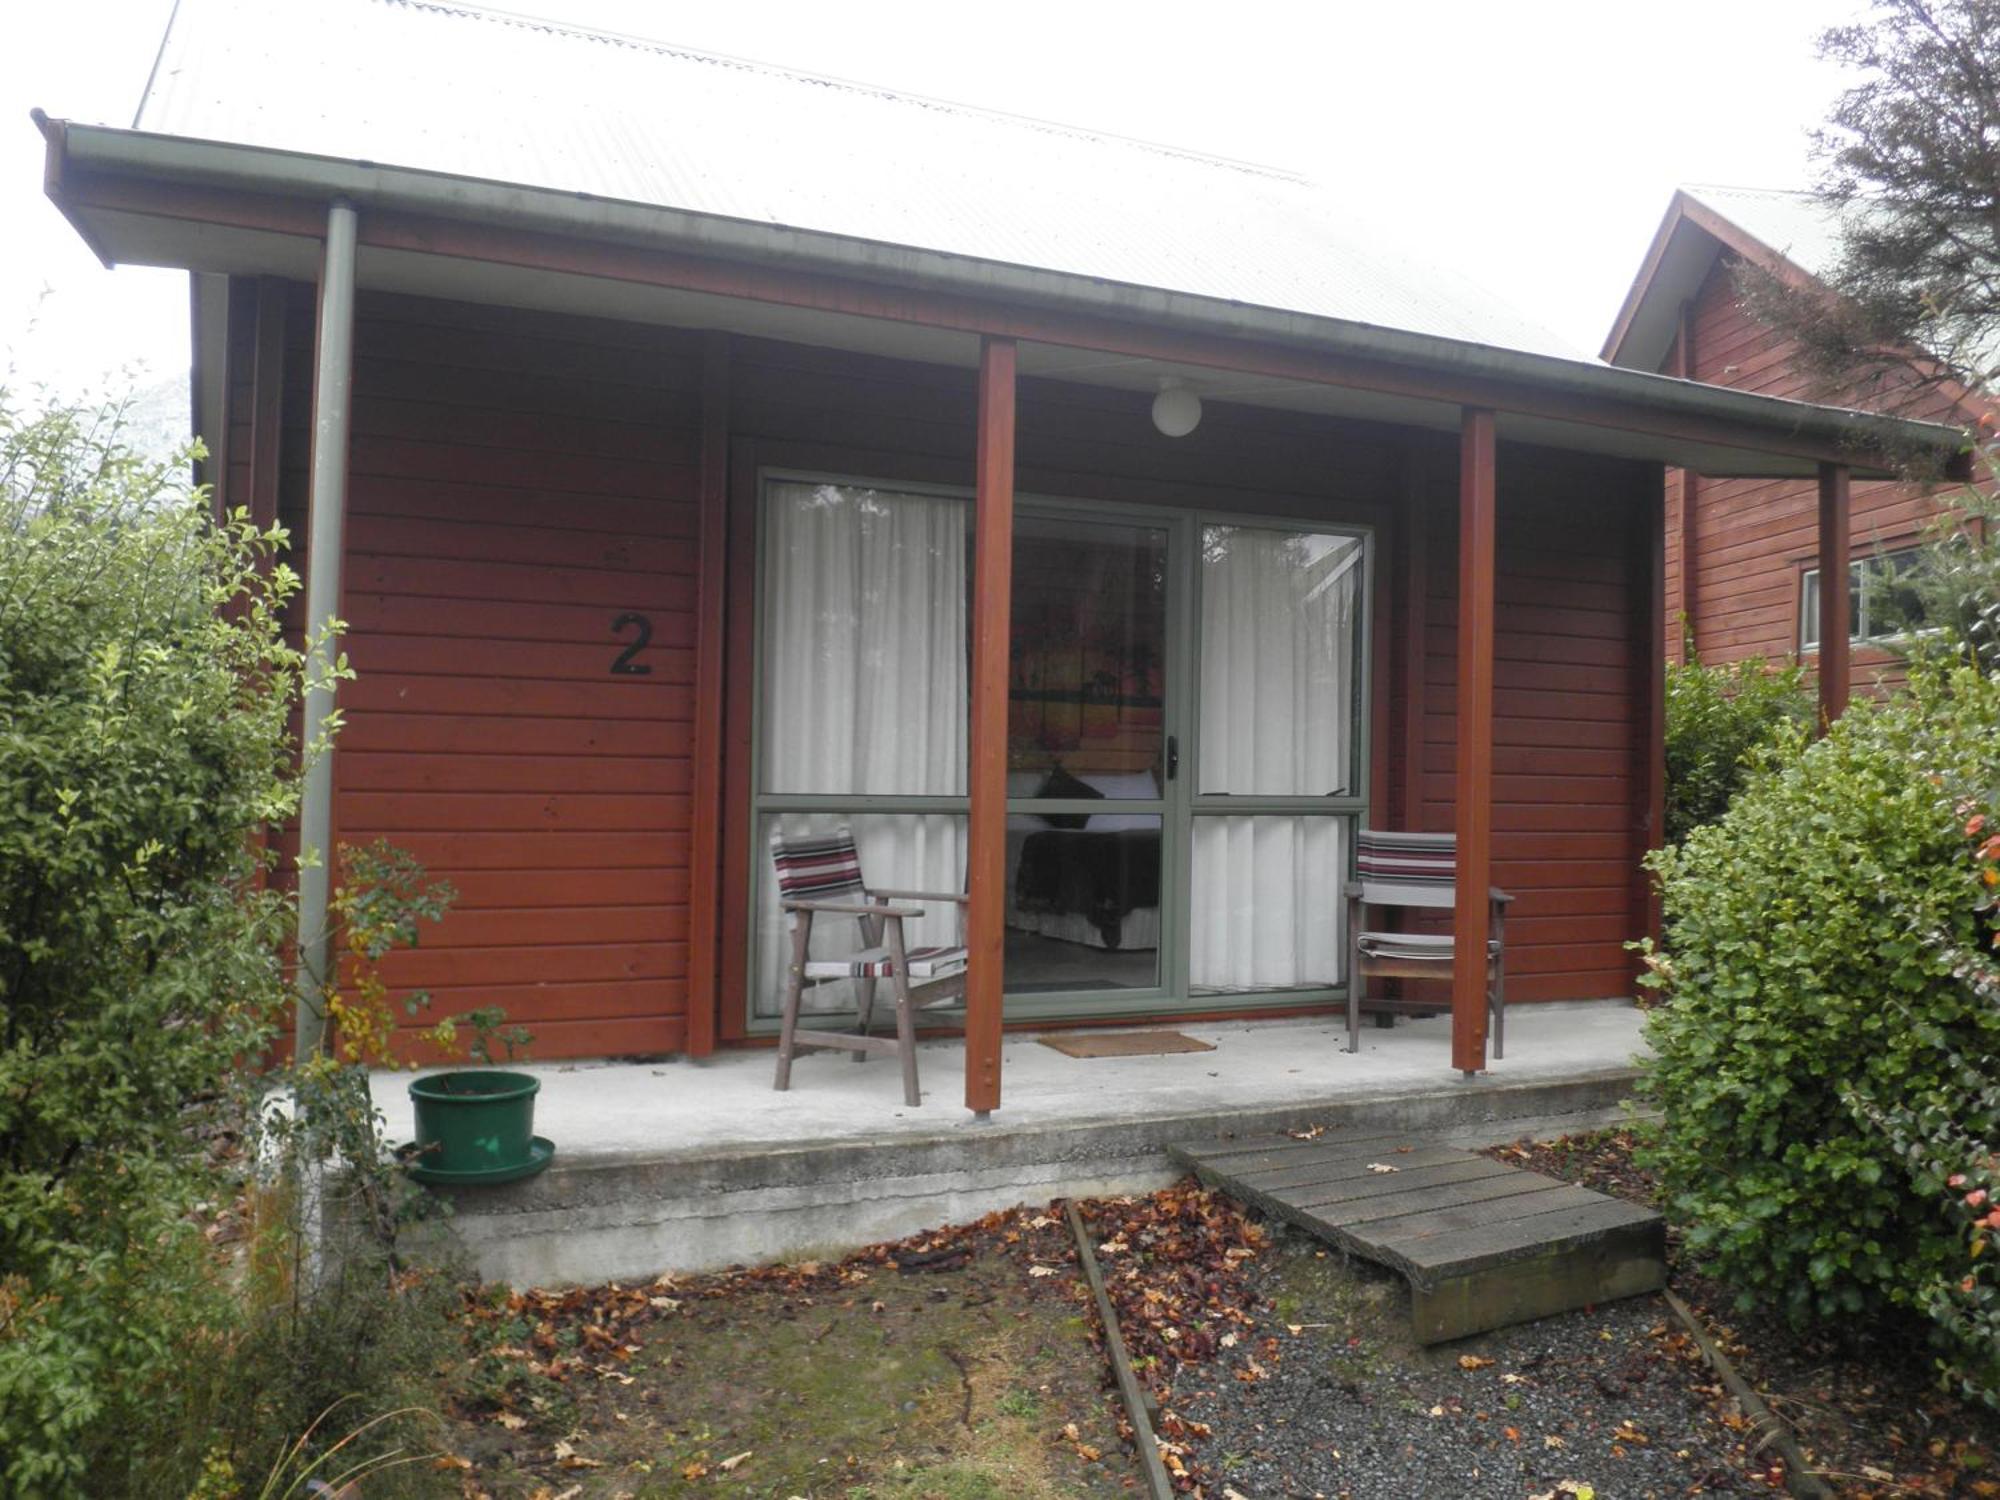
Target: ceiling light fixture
[[1176, 410]]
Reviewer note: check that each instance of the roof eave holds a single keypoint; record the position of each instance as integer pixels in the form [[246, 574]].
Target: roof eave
[[274, 173]]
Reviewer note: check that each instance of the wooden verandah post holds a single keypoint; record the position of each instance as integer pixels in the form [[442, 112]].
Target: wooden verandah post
[[986, 829], [1473, 792], [1836, 608]]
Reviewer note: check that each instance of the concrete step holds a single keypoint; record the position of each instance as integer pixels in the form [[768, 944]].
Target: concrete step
[[628, 1215]]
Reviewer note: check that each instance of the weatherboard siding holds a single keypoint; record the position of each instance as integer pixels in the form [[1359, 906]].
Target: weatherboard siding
[[1568, 791], [1756, 539], [519, 481]]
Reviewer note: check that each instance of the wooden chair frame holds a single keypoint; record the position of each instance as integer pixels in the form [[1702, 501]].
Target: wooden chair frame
[[881, 925]]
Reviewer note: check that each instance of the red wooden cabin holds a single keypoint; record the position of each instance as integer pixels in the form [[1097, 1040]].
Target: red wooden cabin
[[1743, 554], [693, 448]]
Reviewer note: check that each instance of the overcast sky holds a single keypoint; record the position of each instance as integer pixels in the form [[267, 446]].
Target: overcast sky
[[1531, 145]]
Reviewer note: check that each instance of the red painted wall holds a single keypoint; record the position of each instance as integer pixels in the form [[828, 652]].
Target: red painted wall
[[521, 479], [1567, 787], [518, 481]]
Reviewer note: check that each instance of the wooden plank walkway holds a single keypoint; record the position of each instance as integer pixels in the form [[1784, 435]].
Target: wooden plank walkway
[[1482, 1244]]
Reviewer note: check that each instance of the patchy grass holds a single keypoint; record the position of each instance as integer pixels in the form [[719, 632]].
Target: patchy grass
[[970, 1379]]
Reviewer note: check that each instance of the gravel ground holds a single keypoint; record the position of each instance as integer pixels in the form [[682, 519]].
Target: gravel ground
[[1610, 1401]]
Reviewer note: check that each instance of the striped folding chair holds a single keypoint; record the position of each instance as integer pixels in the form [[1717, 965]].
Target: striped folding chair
[[819, 875], [1413, 871]]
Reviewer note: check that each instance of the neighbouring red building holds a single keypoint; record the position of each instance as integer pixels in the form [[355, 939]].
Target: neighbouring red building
[[1742, 554], [696, 449]]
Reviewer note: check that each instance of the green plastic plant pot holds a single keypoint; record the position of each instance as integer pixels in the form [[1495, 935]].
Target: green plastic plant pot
[[477, 1125]]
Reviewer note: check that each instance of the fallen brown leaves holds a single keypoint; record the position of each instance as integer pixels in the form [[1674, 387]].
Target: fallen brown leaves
[[1176, 1266], [572, 1334]]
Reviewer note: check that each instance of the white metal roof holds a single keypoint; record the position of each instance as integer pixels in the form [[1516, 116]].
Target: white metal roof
[[1799, 226], [483, 94]]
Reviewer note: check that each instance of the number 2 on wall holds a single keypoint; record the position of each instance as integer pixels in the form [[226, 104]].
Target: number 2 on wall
[[622, 664]]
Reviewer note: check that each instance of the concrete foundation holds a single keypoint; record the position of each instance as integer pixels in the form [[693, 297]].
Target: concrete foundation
[[682, 1166]]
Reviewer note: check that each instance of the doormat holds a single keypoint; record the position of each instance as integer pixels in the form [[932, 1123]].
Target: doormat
[[1124, 1043]]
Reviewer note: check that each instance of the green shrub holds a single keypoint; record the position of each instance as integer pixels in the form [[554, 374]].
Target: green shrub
[[1719, 719], [146, 693], [142, 742], [1815, 939]]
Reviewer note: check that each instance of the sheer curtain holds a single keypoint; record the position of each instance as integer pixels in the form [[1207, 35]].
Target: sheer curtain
[[1279, 611], [863, 694]]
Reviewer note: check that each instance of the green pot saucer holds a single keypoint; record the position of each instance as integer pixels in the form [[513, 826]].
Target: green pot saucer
[[541, 1151]]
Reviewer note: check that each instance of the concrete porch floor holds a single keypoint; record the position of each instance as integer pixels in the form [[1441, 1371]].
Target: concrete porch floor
[[680, 1165]]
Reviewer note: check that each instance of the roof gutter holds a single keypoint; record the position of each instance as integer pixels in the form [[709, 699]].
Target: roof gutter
[[262, 170]]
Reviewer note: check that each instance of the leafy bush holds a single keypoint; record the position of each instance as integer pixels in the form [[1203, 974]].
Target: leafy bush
[[1815, 942], [146, 689], [142, 742], [1718, 720]]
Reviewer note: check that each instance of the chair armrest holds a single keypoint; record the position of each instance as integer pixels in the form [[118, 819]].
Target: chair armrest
[[959, 896], [1351, 890], [852, 909], [1498, 896]]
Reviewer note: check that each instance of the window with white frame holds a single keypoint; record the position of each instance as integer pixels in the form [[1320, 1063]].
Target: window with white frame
[[1881, 601]]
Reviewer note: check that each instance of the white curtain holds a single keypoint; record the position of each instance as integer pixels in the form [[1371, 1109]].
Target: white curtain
[[863, 693], [1279, 612], [864, 642], [1266, 903]]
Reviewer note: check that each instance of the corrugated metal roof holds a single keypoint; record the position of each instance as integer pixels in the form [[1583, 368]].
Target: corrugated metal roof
[[509, 99]]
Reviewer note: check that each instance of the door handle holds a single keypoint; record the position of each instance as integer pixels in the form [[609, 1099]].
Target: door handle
[[1173, 756]]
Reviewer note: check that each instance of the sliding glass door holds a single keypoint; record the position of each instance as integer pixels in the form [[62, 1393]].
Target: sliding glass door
[[1185, 738], [1092, 759], [1278, 764]]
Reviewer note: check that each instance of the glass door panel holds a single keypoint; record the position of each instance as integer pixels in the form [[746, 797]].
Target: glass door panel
[[1267, 905], [863, 611], [865, 606], [1088, 755], [1280, 612], [1083, 905], [1278, 757], [1185, 738]]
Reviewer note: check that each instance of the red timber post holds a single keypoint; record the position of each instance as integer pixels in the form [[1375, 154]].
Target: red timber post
[[705, 858], [267, 395], [986, 831], [1836, 609], [1473, 791]]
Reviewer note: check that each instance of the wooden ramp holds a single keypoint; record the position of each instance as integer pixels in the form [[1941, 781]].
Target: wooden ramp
[[1482, 1244]]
